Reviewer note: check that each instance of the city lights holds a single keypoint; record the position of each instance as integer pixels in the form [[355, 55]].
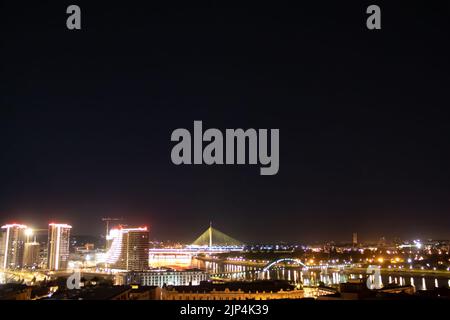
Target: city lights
[[131, 259]]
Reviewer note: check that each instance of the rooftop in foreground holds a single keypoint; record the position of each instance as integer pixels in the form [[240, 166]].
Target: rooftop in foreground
[[244, 286]]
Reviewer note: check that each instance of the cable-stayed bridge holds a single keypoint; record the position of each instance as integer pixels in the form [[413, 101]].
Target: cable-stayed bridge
[[211, 241], [215, 238]]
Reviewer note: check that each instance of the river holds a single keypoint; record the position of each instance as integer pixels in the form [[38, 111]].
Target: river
[[313, 277]]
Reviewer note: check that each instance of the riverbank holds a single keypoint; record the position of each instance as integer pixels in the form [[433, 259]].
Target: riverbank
[[246, 263], [404, 272]]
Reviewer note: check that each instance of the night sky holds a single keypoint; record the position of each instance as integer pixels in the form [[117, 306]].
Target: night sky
[[86, 117]]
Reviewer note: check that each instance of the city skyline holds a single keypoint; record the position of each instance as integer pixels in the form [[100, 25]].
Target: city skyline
[[352, 237], [216, 266]]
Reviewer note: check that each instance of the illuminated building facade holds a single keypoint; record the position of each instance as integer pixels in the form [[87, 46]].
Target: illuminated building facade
[[31, 254], [12, 245], [169, 277], [58, 246], [129, 249], [257, 290]]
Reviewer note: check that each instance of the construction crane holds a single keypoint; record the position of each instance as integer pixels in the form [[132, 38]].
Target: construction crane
[[107, 220]]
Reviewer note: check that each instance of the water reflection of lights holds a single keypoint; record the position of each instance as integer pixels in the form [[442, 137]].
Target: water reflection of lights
[[313, 277]]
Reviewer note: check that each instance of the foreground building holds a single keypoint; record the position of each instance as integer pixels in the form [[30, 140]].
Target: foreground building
[[15, 291], [357, 290], [58, 246], [240, 290], [109, 293], [95, 293], [129, 249]]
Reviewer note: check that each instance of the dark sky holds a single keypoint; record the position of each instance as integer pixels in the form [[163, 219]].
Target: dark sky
[[86, 117]]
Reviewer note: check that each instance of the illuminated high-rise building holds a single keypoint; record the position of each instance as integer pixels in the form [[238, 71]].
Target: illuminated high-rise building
[[355, 239], [58, 246], [129, 249], [12, 245]]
